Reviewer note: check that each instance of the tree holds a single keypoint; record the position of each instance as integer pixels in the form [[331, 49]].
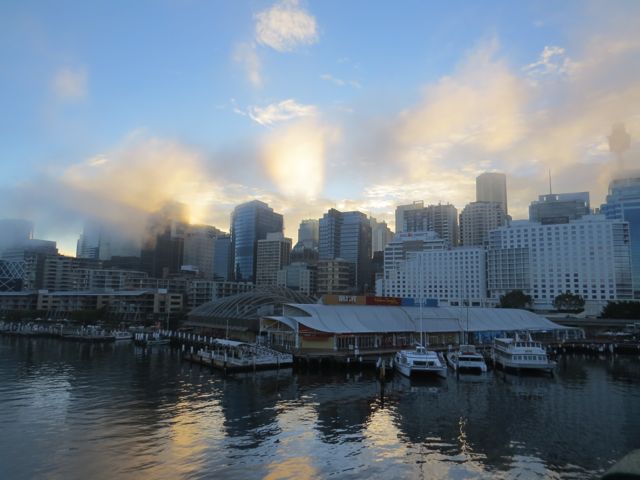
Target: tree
[[515, 299], [630, 310], [568, 302]]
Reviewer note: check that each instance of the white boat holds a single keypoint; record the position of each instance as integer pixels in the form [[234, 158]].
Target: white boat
[[420, 361], [465, 358], [120, 335], [521, 354]]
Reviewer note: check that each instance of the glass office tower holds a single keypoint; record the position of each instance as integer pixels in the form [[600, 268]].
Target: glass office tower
[[623, 202], [251, 222]]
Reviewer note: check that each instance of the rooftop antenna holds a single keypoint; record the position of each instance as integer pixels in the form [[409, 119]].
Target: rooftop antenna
[[550, 191]]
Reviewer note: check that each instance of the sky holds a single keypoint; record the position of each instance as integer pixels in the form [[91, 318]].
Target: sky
[[113, 108]]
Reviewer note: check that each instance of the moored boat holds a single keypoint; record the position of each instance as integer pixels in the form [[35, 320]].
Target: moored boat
[[466, 358], [420, 361], [521, 354]]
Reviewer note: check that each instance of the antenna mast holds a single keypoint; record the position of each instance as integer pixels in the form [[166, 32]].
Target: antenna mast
[[550, 191]]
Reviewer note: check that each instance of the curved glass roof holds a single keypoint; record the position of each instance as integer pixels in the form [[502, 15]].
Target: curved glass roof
[[249, 305]]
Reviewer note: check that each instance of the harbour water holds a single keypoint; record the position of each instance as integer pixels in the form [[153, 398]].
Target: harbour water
[[70, 410]]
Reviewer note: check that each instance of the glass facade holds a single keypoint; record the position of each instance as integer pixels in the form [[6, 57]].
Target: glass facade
[[347, 236], [623, 202], [250, 222]]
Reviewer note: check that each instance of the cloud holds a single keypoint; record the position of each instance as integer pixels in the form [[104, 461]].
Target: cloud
[[279, 112], [552, 61], [285, 26], [246, 56], [339, 82], [295, 157], [70, 83]]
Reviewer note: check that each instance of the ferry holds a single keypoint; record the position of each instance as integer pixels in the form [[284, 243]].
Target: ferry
[[465, 358], [521, 354], [420, 361]]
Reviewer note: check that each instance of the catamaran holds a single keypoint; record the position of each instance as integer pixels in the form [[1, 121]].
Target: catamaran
[[466, 358], [420, 361]]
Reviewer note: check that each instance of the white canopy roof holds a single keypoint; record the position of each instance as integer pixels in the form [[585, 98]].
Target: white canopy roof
[[380, 319]]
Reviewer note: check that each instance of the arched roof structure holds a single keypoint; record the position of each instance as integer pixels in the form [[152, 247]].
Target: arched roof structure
[[245, 309], [341, 319]]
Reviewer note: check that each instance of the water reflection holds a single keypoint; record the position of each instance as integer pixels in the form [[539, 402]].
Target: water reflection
[[72, 410]]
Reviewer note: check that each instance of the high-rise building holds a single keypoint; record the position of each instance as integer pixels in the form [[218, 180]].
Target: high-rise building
[[589, 257], [273, 255], [300, 277], [452, 276], [14, 232], [250, 222], [28, 259], [223, 258], [347, 236], [623, 203], [381, 234], [477, 219], [559, 207], [335, 276], [442, 219], [404, 243], [162, 252], [492, 187], [400, 211], [309, 233], [94, 242], [199, 249]]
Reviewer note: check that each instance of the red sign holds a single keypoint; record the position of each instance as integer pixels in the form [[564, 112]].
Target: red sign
[[391, 301]]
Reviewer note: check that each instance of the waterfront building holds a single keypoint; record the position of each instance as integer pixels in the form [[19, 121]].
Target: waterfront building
[[300, 277], [400, 211], [369, 326], [405, 242], [623, 203], [346, 236], [250, 222], [477, 219], [199, 291], [381, 234], [162, 252], [452, 276], [492, 187], [199, 249], [14, 232], [96, 279], [559, 207], [589, 257], [272, 255], [442, 219]]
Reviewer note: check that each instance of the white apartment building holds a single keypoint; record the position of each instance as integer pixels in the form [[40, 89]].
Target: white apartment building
[[589, 257], [421, 266]]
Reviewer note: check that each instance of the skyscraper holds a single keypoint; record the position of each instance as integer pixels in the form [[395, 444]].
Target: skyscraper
[[14, 232], [273, 255], [250, 222], [93, 242], [223, 258], [442, 219], [199, 249], [559, 207], [308, 233], [400, 211], [381, 234], [347, 236], [162, 252], [492, 187], [477, 219], [623, 203]]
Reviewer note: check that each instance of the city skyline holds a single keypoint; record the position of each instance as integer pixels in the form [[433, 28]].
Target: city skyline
[[287, 103]]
